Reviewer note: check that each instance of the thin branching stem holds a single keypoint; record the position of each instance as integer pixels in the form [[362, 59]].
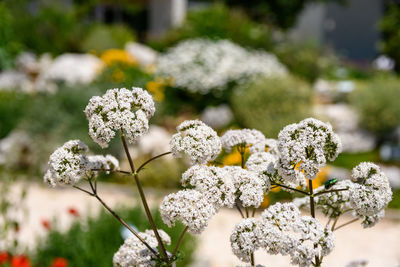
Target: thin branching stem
[[238, 208], [312, 208], [347, 223], [290, 188], [94, 194], [330, 191], [153, 158], [334, 223], [143, 198], [179, 241], [110, 170]]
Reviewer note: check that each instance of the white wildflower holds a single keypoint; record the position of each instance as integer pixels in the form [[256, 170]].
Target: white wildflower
[[134, 253], [204, 66], [262, 163], [244, 239], [119, 109], [199, 141], [213, 182], [251, 138], [217, 117], [68, 164], [371, 192], [250, 186], [304, 148], [189, 207], [100, 162], [272, 145], [281, 230]]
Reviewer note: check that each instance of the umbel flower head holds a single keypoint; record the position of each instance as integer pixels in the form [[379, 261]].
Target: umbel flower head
[[304, 148], [68, 164], [199, 141], [189, 207], [244, 239], [251, 138], [213, 182], [134, 253], [281, 230], [119, 109], [371, 191]]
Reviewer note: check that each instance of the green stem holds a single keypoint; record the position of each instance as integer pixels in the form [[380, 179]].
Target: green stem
[[179, 241], [153, 158], [312, 208], [347, 223], [253, 263], [330, 191], [288, 187], [143, 198]]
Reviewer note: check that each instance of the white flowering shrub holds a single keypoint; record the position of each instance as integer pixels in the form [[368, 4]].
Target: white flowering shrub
[[291, 162], [202, 65]]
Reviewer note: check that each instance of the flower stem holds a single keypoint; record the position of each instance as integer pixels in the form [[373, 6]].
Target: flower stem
[[179, 241], [143, 198], [330, 191], [252, 259], [153, 158], [347, 223], [312, 208], [288, 187], [94, 194]]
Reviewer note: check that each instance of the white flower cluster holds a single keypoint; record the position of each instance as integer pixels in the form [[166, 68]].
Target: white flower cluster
[[250, 186], [244, 240], [371, 191], [100, 162], [367, 195], [201, 65], [251, 138], [262, 163], [272, 145], [331, 204], [213, 182], [134, 253], [68, 164], [281, 230], [305, 147], [189, 207], [119, 109], [199, 141]]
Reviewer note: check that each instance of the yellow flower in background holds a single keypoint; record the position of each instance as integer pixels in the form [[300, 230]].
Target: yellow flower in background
[[156, 89], [265, 202], [234, 158], [115, 56], [118, 75], [321, 177], [150, 69]]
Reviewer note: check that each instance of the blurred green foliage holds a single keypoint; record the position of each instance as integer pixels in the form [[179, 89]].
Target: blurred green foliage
[[13, 106], [101, 37], [306, 60], [389, 26], [282, 13], [269, 104], [94, 242], [218, 22], [378, 104], [350, 160]]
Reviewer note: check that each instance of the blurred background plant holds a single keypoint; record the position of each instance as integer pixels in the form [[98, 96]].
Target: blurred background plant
[[268, 104], [100, 237]]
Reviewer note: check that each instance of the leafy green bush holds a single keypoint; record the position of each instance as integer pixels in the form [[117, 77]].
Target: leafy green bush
[[269, 104], [391, 33], [13, 106], [101, 37], [94, 242], [378, 104], [305, 60], [219, 22]]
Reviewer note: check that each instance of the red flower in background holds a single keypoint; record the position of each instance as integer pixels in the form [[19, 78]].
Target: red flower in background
[[46, 224], [20, 261], [59, 262], [74, 212], [4, 257]]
